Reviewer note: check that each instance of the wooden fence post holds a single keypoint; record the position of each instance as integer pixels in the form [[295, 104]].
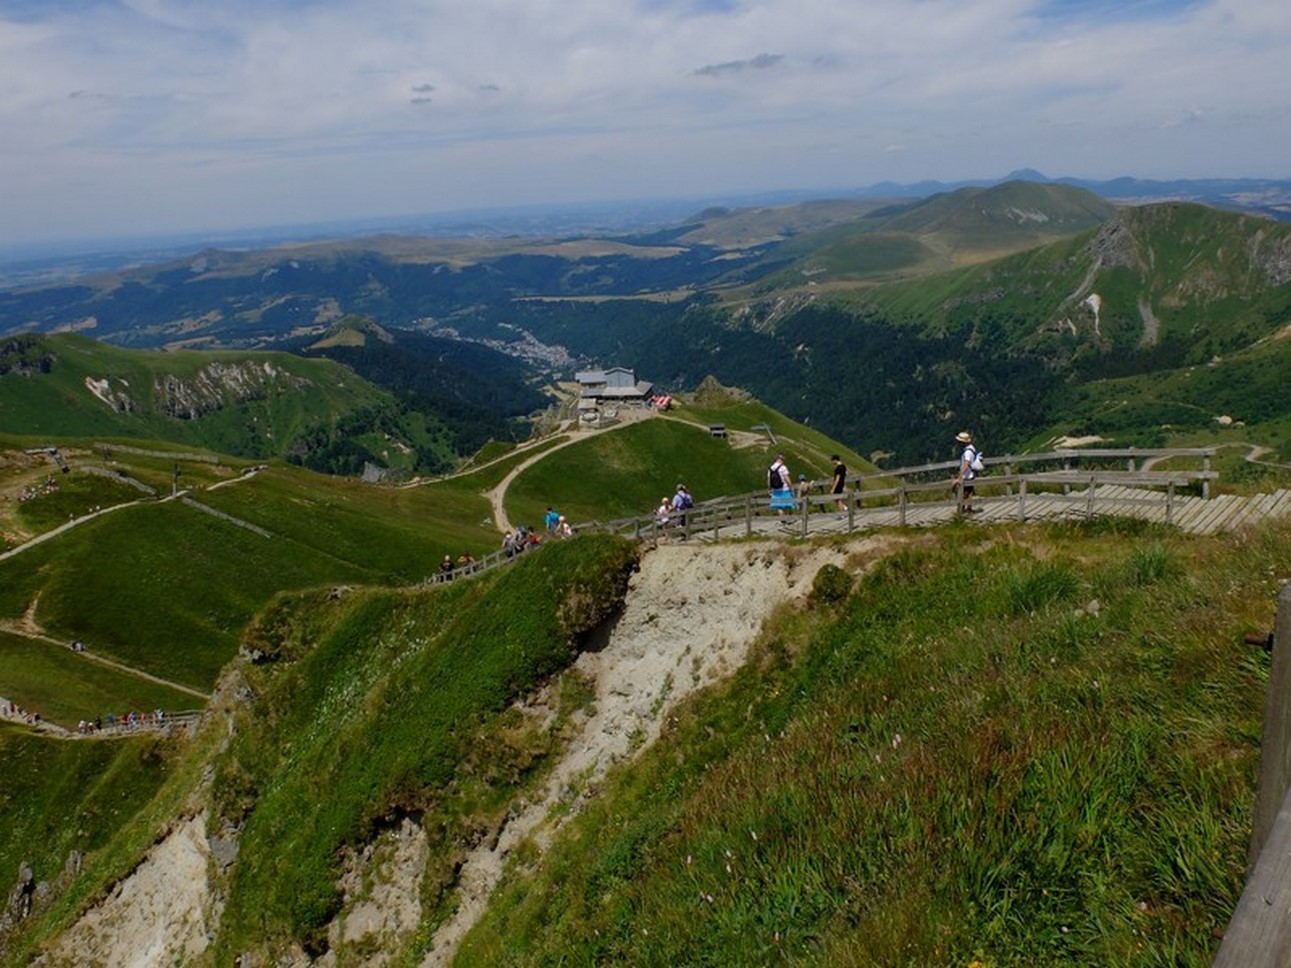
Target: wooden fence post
[[1205, 481], [1089, 498], [1169, 503], [1275, 746], [748, 516], [806, 509], [1259, 933], [852, 501], [901, 503], [1022, 500]]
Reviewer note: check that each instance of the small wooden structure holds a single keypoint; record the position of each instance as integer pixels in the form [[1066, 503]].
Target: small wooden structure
[[717, 430]]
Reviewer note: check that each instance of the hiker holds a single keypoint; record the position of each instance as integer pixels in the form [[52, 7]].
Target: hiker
[[840, 482], [446, 568], [779, 484], [563, 530], [661, 514], [552, 519], [969, 464], [509, 544], [681, 503]]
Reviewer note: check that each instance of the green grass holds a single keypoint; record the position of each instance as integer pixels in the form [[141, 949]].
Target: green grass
[[969, 761], [168, 589], [625, 472], [162, 587], [64, 795], [77, 494], [388, 704], [66, 688], [397, 531]]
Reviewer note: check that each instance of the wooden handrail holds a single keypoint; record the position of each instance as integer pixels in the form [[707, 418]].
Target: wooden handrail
[[712, 514], [1259, 932]]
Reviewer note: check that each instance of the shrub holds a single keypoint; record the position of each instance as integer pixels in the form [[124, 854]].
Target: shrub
[[831, 585]]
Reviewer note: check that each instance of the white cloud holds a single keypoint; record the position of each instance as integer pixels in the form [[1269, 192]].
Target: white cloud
[[166, 114]]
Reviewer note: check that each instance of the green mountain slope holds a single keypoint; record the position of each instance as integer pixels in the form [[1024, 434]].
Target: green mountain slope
[[167, 588], [1069, 784], [235, 402], [1002, 348]]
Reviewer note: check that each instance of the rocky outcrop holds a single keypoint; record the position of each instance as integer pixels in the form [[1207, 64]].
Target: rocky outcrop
[[24, 356], [218, 385]]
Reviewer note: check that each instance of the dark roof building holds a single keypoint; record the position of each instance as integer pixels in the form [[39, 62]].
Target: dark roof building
[[617, 384]]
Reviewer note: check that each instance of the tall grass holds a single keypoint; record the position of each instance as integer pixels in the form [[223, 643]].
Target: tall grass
[[969, 762], [388, 704]]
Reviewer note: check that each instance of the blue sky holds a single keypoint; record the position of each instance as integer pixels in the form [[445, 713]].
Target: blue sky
[[125, 117]]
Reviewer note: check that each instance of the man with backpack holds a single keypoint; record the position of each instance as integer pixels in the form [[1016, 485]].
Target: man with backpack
[[681, 503], [970, 462], [780, 484]]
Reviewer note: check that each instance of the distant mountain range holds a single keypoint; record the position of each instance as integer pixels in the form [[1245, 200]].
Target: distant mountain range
[[886, 322], [60, 261], [1267, 196]]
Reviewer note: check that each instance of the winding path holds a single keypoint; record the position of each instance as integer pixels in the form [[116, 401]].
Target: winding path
[[497, 495]]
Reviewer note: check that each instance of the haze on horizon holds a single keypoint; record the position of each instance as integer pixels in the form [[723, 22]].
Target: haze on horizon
[[135, 117]]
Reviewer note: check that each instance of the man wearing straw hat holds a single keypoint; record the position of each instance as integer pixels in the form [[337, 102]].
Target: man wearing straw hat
[[967, 472]]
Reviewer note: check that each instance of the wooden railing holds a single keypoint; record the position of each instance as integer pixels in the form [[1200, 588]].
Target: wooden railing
[[1259, 933], [929, 484], [907, 488]]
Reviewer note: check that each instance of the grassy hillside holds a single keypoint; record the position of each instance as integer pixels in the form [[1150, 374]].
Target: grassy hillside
[[65, 687], [420, 684], [934, 234], [626, 472], [167, 588], [245, 404], [1014, 746], [1035, 750]]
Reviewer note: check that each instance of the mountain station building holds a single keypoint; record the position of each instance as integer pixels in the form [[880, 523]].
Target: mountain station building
[[618, 384]]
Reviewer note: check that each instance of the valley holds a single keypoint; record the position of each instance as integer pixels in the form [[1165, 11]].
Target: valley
[[888, 733]]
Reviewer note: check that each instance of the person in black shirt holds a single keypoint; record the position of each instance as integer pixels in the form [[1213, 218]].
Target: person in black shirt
[[840, 482]]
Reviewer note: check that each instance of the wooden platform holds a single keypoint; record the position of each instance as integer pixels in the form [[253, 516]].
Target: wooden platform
[[1195, 515]]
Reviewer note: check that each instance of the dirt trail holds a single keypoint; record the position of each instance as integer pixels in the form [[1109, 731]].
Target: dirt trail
[[28, 628], [497, 496]]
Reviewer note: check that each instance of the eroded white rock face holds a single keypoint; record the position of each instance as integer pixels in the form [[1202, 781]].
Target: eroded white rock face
[[690, 617], [382, 897], [163, 914]]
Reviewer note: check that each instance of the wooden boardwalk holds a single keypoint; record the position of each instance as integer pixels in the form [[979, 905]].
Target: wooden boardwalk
[[1195, 515]]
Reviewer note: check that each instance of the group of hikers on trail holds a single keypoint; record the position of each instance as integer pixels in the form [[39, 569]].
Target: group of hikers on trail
[[513, 543], [784, 497], [671, 512]]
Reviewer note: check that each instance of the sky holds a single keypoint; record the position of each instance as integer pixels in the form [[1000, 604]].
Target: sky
[[138, 117]]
